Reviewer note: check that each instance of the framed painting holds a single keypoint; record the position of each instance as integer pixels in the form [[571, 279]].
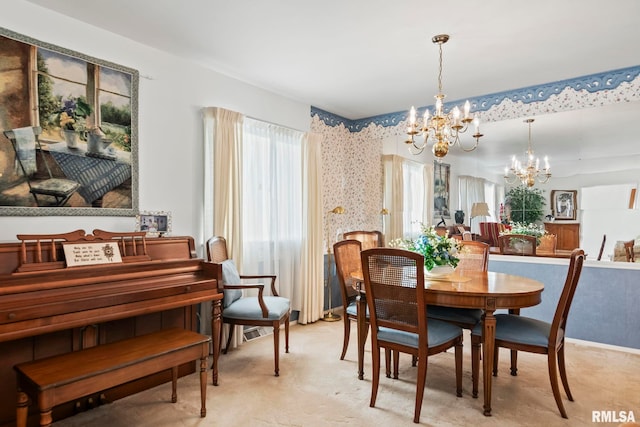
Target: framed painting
[[441, 178], [156, 224], [564, 205], [66, 116]]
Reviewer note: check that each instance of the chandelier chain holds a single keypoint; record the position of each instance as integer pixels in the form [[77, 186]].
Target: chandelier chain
[[440, 70], [443, 129]]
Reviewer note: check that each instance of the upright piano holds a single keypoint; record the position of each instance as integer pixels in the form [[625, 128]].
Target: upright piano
[[48, 307]]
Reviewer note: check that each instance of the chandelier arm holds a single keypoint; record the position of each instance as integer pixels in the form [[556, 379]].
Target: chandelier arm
[[415, 150], [468, 150], [513, 179]]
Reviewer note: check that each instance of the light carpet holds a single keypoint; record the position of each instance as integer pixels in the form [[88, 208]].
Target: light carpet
[[315, 388]]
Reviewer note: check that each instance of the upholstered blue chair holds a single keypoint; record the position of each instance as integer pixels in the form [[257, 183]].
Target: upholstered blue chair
[[520, 333], [394, 286], [262, 310]]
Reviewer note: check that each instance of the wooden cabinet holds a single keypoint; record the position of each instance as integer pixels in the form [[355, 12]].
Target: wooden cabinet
[[568, 234]]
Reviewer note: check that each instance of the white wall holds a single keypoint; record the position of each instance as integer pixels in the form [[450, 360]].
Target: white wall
[[172, 94]]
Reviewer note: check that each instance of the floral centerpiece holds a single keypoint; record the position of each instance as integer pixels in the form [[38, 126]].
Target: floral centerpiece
[[437, 250], [529, 229]]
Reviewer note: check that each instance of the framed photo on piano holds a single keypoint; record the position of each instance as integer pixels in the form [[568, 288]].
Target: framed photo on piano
[[156, 224]]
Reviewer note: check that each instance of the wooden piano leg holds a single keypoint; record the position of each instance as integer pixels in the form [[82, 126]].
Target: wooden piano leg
[[203, 386], [22, 409], [174, 384], [216, 336]]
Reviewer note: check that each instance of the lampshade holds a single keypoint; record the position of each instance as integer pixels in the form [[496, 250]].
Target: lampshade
[[479, 209]]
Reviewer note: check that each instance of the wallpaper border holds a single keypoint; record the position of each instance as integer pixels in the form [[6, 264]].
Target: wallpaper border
[[592, 83]]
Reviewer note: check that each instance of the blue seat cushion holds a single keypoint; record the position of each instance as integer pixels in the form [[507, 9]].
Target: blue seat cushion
[[439, 332], [468, 316], [230, 276], [249, 308], [352, 310], [519, 329]]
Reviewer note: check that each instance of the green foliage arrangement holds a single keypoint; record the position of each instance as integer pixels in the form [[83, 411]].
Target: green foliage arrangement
[[436, 250]]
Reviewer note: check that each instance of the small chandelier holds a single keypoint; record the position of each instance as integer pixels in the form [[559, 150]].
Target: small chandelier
[[443, 129], [529, 172]]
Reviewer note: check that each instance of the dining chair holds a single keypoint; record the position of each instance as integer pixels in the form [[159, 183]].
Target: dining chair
[[547, 245], [520, 333], [474, 256], [517, 244], [26, 145], [394, 286], [369, 239], [604, 240], [348, 265], [628, 250], [489, 232], [260, 310]]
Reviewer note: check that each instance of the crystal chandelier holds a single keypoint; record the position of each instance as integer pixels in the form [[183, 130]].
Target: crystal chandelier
[[529, 171], [443, 129]]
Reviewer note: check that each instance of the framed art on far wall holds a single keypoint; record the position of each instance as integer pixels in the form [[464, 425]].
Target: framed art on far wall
[[441, 177], [564, 205], [156, 224]]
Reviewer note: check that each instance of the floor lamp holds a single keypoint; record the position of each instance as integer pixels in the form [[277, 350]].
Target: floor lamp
[[479, 209], [330, 317], [384, 212]]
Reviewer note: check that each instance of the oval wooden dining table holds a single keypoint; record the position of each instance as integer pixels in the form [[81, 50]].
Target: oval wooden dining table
[[488, 291]]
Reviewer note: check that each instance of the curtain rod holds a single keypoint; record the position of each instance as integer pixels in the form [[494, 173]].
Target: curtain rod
[[276, 124]]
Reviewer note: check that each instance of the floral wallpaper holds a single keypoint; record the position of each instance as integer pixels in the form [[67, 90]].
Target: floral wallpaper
[[351, 149]]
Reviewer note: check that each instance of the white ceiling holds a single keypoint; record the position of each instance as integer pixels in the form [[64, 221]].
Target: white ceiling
[[361, 58]]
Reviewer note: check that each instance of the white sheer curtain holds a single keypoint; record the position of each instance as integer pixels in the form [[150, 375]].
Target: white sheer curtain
[[272, 202], [408, 196], [471, 190], [414, 198]]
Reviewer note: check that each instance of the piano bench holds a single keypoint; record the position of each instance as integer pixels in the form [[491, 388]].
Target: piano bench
[[66, 377]]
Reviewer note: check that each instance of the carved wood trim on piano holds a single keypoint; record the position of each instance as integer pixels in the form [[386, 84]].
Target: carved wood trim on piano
[[48, 253]]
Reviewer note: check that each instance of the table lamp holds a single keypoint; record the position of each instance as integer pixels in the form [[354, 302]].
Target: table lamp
[[479, 209]]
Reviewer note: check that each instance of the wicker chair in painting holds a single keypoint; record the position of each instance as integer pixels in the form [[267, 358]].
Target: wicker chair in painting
[[26, 145]]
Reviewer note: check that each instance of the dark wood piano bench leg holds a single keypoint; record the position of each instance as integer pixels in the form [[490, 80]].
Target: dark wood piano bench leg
[[22, 409]]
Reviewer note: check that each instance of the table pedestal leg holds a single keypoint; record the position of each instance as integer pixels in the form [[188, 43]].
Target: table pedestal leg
[[488, 343], [361, 306]]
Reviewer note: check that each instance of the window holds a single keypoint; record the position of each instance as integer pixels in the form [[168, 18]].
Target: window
[[63, 80], [272, 201]]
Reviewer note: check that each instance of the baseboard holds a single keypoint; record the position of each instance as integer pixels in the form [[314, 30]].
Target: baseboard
[[603, 346]]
